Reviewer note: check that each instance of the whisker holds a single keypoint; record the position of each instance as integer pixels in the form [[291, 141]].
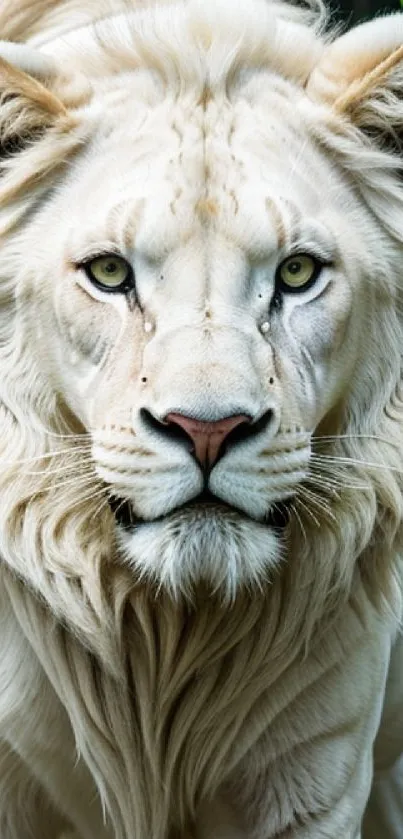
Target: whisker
[[332, 438], [307, 509], [47, 456], [351, 461], [332, 483], [103, 505], [319, 502], [89, 496], [293, 509], [84, 494], [63, 469], [322, 503], [98, 493], [87, 480], [67, 436], [120, 505]]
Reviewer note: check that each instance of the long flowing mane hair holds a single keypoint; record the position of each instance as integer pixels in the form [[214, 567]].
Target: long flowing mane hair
[[156, 688]]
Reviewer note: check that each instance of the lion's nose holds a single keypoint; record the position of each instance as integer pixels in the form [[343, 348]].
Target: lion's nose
[[207, 437]]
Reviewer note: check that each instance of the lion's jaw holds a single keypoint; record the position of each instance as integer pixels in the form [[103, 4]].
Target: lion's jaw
[[206, 333]]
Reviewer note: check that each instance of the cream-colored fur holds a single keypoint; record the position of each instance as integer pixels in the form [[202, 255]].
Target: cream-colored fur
[[206, 674]]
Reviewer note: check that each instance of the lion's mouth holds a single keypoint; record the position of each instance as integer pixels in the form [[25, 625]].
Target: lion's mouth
[[277, 516]]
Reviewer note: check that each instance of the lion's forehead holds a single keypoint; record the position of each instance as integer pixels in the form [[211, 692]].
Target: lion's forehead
[[226, 163]]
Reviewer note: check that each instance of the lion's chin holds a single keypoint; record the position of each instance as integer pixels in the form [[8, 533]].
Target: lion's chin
[[204, 543]]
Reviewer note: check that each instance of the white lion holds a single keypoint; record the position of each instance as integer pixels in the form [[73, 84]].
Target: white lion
[[201, 477]]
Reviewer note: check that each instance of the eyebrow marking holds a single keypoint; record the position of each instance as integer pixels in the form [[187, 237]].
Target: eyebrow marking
[[274, 210], [295, 221]]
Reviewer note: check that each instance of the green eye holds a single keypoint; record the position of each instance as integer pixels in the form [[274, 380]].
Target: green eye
[[109, 272], [298, 271]]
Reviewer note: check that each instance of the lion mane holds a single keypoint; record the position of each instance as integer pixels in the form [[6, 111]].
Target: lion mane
[[164, 695]]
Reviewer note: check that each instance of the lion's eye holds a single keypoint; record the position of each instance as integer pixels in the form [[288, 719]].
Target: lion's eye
[[109, 272], [297, 272]]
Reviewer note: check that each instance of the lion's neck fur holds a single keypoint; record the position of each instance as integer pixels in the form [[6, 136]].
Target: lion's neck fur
[[189, 693]]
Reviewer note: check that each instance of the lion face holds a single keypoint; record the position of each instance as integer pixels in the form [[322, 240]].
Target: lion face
[[200, 281], [208, 266]]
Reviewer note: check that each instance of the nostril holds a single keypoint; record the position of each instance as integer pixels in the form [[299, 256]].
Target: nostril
[[249, 429], [164, 428]]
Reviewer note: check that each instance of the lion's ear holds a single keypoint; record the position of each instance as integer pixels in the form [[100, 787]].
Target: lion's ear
[[27, 105], [360, 75]]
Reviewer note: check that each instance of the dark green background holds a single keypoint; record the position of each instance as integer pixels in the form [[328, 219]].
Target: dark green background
[[352, 11]]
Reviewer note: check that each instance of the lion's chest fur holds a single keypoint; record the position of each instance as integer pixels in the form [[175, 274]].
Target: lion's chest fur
[[203, 706]]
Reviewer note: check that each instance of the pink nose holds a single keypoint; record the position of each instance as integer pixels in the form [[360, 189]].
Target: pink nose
[[207, 437]]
